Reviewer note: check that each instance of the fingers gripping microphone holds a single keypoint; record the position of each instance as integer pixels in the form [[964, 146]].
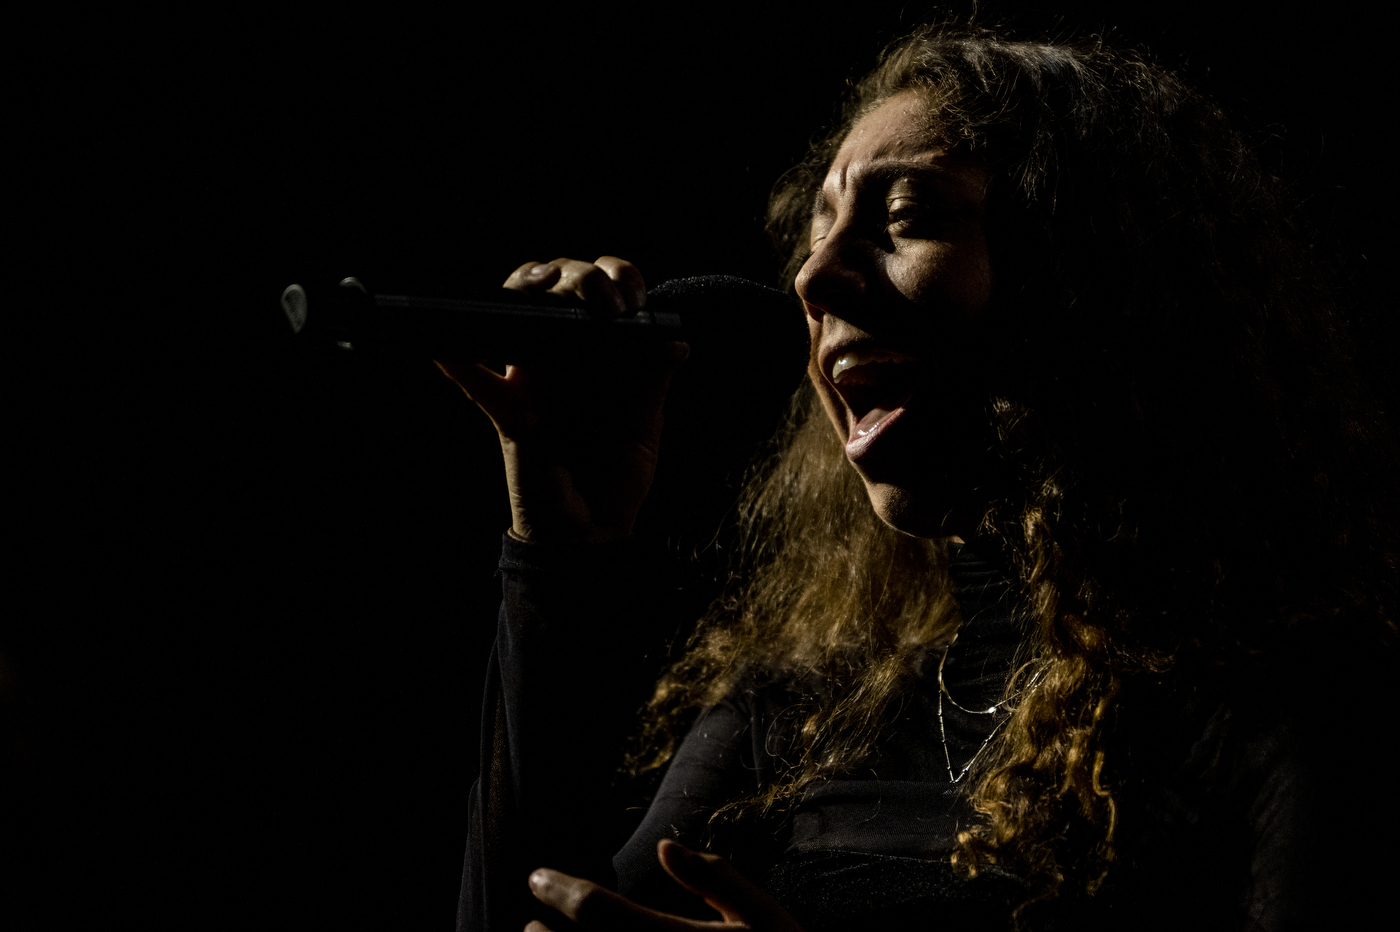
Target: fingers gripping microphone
[[518, 327]]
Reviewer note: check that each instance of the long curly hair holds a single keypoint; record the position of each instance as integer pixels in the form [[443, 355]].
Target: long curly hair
[[1197, 480]]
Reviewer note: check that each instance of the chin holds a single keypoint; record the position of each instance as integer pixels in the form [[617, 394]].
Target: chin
[[919, 515]]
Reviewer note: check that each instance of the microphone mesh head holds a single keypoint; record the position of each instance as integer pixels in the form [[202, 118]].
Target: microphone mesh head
[[715, 287], [712, 299]]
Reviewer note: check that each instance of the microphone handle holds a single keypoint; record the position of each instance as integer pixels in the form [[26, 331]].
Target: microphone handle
[[511, 327]]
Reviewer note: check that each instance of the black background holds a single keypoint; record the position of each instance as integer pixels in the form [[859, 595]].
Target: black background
[[252, 584]]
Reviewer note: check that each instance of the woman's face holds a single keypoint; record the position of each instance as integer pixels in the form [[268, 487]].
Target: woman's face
[[894, 289]]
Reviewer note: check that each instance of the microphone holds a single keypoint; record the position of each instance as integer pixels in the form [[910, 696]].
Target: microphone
[[513, 326]]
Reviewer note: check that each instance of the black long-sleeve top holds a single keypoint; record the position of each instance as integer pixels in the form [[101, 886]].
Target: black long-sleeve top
[[1222, 831]]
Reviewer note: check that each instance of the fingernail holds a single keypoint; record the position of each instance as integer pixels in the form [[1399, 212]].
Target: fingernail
[[538, 880], [538, 271]]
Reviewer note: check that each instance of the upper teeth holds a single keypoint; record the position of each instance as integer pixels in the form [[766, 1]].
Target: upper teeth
[[852, 359]]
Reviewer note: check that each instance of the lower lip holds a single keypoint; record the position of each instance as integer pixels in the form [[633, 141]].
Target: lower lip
[[859, 444]]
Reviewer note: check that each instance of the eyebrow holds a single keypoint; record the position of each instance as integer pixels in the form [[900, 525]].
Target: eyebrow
[[885, 174]]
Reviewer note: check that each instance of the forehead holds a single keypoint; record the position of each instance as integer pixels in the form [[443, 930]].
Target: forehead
[[893, 141]]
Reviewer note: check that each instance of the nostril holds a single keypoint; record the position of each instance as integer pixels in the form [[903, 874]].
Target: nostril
[[829, 279]]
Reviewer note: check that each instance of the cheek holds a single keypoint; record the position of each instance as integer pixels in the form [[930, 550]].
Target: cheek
[[957, 276], [977, 276]]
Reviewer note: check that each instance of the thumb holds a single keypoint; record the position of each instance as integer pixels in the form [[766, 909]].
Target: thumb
[[723, 888], [494, 394]]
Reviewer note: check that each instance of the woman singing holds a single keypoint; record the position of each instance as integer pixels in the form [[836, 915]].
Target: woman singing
[[1066, 598]]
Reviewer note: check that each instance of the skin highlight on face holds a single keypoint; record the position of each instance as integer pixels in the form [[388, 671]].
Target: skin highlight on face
[[898, 276]]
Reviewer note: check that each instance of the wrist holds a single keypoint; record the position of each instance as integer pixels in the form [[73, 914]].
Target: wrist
[[527, 534]]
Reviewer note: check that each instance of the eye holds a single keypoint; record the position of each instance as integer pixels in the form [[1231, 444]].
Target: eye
[[905, 215]]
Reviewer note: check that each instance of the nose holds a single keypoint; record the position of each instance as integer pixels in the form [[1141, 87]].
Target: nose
[[833, 277]]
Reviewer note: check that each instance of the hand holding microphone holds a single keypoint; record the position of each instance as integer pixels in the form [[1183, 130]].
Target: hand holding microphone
[[545, 311], [579, 438], [590, 357], [612, 287]]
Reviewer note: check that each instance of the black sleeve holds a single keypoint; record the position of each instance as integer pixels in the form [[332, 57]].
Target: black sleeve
[[714, 764], [576, 651]]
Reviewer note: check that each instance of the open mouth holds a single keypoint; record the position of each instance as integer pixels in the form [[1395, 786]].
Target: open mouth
[[875, 385]]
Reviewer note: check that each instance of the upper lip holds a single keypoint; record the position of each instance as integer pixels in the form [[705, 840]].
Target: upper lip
[[867, 350]]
